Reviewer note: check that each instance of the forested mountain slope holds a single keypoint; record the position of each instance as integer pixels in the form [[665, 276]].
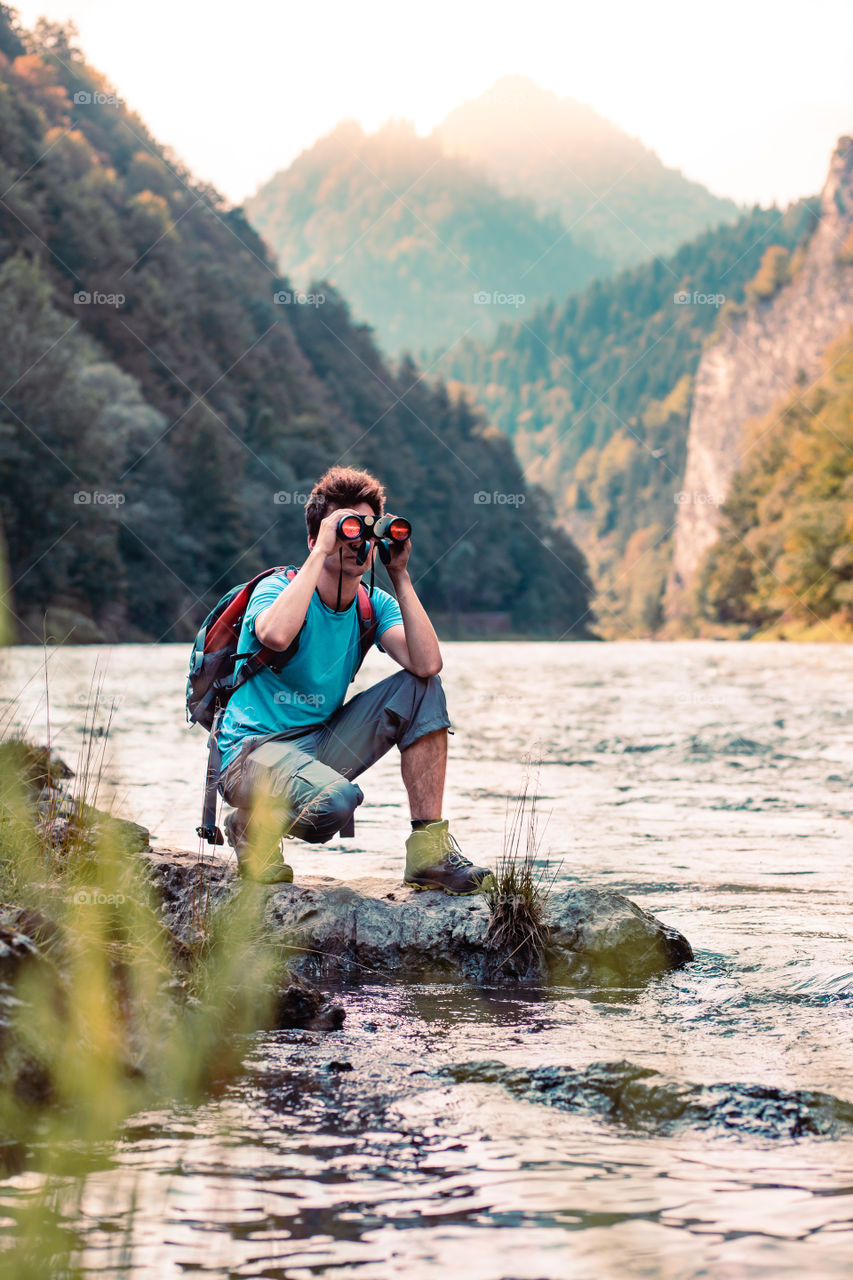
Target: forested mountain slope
[[162, 417], [423, 244], [596, 393]]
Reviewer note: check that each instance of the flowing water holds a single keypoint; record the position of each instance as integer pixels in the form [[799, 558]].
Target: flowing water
[[710, 782]]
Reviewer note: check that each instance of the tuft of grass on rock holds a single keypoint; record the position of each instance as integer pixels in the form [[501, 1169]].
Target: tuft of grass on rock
[[518, 926]]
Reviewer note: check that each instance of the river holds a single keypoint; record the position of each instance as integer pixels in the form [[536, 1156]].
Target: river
[[710, 782]]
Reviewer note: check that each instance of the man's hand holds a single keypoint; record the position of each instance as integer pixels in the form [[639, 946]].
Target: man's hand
[[327, 534], [399, 557]]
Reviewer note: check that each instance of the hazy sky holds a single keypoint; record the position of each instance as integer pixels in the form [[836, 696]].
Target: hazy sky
[[747, 96]]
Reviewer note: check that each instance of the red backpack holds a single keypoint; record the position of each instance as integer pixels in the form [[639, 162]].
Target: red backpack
[[212, 678]]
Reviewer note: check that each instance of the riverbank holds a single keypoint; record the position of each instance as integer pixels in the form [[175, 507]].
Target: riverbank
[[818, 631]]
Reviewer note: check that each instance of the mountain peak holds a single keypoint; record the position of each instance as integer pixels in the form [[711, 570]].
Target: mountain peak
[[615, 193], [516, 103], [397, 125], [515, 90]]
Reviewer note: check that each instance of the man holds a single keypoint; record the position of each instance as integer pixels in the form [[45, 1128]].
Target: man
[[291, 747]]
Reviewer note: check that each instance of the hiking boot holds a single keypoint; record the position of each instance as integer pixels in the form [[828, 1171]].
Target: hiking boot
[[270, 868], [435, 861]]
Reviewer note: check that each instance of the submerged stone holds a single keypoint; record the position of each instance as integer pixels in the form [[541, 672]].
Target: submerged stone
[[299, 1004], [646, 1099]]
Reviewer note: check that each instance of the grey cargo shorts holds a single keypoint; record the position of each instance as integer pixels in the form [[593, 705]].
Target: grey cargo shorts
[[306, 774]]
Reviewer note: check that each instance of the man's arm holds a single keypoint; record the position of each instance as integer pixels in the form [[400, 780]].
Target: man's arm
[[278, 624], [414, 644]]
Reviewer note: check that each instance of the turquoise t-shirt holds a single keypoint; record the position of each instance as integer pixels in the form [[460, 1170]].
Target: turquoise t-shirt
[[314, 683]]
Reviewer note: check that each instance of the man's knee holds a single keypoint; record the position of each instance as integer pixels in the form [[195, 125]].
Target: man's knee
[[408, 677], [426, 711], [292, 793], [424, 693], [327, 811]]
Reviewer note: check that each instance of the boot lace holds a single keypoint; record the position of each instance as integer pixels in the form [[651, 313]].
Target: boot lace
[[453, 855]]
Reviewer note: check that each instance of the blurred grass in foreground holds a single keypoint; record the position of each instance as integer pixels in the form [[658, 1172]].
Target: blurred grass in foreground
[[114, 1015]]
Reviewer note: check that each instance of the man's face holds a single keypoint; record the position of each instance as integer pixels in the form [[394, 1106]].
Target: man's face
[[350, 549]]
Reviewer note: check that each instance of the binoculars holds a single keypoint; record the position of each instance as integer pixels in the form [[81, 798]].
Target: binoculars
[[382, 528]]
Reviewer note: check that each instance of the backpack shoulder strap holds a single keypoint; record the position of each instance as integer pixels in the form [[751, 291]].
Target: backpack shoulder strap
[[275, 659], [367, 622]]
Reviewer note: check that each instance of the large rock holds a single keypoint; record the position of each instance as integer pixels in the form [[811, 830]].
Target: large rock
[[63, 822], [371, 928]]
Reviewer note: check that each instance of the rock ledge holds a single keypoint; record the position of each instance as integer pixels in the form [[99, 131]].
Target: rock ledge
[[370, 929]]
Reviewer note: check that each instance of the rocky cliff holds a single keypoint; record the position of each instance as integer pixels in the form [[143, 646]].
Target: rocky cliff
[[758, 357]]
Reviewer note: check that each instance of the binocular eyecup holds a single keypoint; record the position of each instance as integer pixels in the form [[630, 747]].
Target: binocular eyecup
[[382, 529]]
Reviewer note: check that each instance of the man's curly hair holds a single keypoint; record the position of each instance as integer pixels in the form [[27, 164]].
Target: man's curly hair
[[342, 487]]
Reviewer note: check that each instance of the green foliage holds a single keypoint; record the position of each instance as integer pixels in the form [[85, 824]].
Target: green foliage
[[774, 272], [622, 342], [109, 1014], [68, 422], [596, 393], [785, 550], [115, 1014], [192, 399]]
